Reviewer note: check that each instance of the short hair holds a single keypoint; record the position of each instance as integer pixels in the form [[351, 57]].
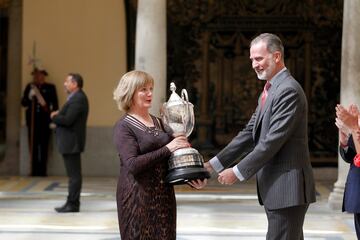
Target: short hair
[[272, 41], [76, 77], [128, 84]]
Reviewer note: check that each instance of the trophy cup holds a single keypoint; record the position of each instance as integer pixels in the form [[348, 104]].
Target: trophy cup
[[185, 164]]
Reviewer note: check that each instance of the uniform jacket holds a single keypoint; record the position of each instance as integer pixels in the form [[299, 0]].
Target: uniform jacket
[[71, 124], [351, 201], [275, 143], [41, 114]]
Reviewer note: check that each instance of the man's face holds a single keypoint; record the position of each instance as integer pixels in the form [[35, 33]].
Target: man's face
[[39, 78], [70, 85], [263, 62]]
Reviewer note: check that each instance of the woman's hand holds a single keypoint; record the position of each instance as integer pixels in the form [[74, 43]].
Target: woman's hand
[[177, 143], [356, 135], [198, 183], [348, 117], [344, 132]]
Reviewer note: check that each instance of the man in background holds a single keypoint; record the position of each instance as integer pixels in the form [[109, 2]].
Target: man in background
[[70, 137]]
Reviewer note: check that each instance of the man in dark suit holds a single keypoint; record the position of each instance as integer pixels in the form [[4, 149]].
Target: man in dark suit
[[40, 99], [273, 145], [70, 135]]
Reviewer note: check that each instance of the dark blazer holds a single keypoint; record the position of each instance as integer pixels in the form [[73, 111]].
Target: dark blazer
[[351, 199], [276, 142], [71, 124]]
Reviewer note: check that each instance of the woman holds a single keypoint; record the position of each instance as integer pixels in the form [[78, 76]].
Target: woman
[[347, 122], [146, 204]]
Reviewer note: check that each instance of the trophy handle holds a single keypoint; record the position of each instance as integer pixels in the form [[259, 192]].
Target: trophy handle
[[190, 114], [184, 96]]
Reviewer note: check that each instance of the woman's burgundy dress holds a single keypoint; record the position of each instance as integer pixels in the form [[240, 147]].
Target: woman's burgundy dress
[[146, 204]]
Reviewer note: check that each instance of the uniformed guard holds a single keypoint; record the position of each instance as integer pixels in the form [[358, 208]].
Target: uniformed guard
[[39, 98]]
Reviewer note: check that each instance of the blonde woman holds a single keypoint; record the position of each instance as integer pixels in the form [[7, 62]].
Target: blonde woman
[[146, 204]]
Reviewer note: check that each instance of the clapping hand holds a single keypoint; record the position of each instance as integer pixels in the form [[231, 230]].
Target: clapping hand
[[348, 117], [356, 133]]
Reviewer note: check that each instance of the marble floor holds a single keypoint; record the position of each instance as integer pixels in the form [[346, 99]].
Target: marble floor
[[217, 212]]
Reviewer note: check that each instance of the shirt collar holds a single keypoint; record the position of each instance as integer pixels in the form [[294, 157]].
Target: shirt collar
[[276, 75]]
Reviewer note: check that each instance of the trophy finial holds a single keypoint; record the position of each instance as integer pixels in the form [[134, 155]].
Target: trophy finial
[[172, 87]]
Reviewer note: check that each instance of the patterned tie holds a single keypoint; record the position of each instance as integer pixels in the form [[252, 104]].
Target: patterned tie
[[265, 93]]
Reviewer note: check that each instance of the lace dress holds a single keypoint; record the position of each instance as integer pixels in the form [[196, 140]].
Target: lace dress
[[146, 204]]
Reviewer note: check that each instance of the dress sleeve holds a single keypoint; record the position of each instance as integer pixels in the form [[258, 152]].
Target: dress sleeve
[[348, 154], [129, 151]]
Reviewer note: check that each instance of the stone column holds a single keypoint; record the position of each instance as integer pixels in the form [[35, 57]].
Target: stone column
[[150, 47], [10, 165], [350, 82]]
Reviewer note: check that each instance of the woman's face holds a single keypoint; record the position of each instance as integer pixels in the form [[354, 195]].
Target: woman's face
[[143, 96]]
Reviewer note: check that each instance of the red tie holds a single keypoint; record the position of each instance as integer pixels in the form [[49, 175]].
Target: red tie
[[265, 93]]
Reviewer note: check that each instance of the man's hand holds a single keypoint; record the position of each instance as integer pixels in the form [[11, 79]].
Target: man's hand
[[208, 167], [53, 114], [227, 177]]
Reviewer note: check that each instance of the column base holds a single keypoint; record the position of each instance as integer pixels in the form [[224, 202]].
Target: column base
[[336, 196]]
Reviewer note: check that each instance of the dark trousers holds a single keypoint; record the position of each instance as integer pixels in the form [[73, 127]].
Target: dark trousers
[[357, 224], [286, 223], [73, 170], [39, 145]]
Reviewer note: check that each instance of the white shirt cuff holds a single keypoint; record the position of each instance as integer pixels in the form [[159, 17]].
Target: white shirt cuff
[[238, 174], [216, 164]]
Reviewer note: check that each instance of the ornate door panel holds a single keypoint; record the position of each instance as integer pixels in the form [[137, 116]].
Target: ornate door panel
[[208, 53]]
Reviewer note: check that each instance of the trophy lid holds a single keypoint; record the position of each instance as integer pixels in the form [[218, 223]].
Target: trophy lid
[[178, 112], [174, 98]]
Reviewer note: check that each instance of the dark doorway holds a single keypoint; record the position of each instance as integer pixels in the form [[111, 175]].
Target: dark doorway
[[208, 54], [3, 73]]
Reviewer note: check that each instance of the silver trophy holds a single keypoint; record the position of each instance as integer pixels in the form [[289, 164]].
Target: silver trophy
[[185, 164]]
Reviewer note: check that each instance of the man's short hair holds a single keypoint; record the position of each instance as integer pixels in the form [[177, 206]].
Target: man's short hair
[[76, 77], [273, 42]]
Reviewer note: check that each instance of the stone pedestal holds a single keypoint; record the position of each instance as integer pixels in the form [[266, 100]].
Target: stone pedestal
[[350, 82]]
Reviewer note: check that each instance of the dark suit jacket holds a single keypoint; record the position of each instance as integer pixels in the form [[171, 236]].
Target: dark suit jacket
[[351, 201], [276, 141], [71, 124]]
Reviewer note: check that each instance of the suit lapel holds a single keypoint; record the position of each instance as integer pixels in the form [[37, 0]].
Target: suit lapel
[[271, 94], [257, 118]]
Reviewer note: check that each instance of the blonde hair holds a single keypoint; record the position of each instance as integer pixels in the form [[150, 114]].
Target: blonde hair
[[128, 84]]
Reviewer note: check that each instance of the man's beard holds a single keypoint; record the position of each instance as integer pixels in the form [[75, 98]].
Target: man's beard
[[264, 75]]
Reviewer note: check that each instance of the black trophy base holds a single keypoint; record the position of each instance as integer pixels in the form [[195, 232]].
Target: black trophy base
[[187, 174]]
